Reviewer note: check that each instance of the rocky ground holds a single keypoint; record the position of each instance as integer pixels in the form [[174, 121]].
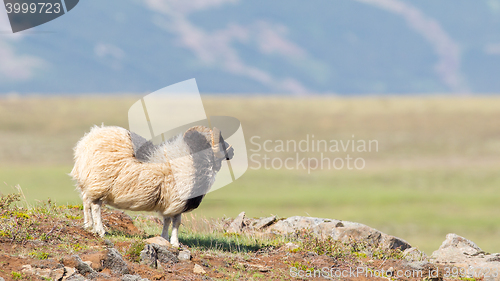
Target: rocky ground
[[47, 242]]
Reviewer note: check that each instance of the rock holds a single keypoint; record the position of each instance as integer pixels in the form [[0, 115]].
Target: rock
[[76, 262], [57, 274], [1, 279], [115, 262], [459, 252], [458, 244], [43, 272], [198, 269], [393, 242], [258, 267], [69, 272], [339, 230], [420, 265], [108, 243], [291, 246], [166, 255], [129, 277], [148, 256], [159, 241], [265, 222], [154, 253], [83, 268], [184, 255], [414, 254], [237, 225], [95, 260], [76, 277], [27, 269]]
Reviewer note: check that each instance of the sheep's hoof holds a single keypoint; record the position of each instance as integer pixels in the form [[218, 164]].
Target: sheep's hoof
[[175, 244]]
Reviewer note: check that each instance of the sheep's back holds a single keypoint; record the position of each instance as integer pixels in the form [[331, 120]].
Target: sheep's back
[[100, 156]]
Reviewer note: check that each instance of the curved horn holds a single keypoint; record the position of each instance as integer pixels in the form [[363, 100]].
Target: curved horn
[[217, 136]]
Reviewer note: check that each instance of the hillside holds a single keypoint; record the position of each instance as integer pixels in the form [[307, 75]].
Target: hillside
[[47, 242], [231, 46]]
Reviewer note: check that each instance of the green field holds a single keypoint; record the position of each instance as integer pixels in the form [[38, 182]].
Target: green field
[[435, 172]]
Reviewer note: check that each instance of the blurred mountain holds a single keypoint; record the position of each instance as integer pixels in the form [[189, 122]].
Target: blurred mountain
[[279, 46]]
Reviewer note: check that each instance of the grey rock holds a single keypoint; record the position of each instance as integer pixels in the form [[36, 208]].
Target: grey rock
[[129, 277], [115, 262], [69, 271], [237, 225], [148, 256], [158, 240], [420, 265], [265, 222], [154, 253], [82, 267], [108, 243], [339, 230], [459, 252], [1, 279], [393, 243], [165, 255], [57, 274], [184, 255], [76, 277], [414, 255], [198, 269], [456, 249]]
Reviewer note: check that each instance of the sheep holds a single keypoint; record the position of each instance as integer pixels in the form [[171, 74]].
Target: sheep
[[120, 168]]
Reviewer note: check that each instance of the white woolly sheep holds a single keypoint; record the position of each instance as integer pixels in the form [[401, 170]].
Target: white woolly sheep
[[120, 168]]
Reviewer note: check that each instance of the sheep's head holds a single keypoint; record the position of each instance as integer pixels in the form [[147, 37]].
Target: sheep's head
[[201, 139]]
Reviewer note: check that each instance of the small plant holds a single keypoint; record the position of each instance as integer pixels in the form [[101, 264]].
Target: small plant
[[40, 255], [7, 200], [258, 275], [16, 275], [134, 251], [71, 217]]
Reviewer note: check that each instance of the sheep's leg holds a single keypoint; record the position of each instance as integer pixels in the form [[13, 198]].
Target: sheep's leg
[[166, 225], [88, 221], [96, 217], [175, 227]]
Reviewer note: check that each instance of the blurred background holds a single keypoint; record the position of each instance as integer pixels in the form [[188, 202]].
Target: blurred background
[[421, 78]]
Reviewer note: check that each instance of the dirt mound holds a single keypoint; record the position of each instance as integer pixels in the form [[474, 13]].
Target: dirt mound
[[118, 222]]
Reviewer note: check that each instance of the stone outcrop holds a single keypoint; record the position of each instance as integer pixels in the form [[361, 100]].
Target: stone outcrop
[[339, 230], [153, 253], [459, 252]]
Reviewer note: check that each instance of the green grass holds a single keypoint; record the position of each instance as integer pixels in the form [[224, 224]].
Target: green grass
[[436, 171], [40, 183], [421, 206]]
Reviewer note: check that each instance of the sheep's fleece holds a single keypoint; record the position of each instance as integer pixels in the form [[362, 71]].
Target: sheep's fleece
[[122, 169]]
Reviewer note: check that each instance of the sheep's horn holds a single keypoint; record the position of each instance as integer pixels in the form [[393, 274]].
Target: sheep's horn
[[217, 136]]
